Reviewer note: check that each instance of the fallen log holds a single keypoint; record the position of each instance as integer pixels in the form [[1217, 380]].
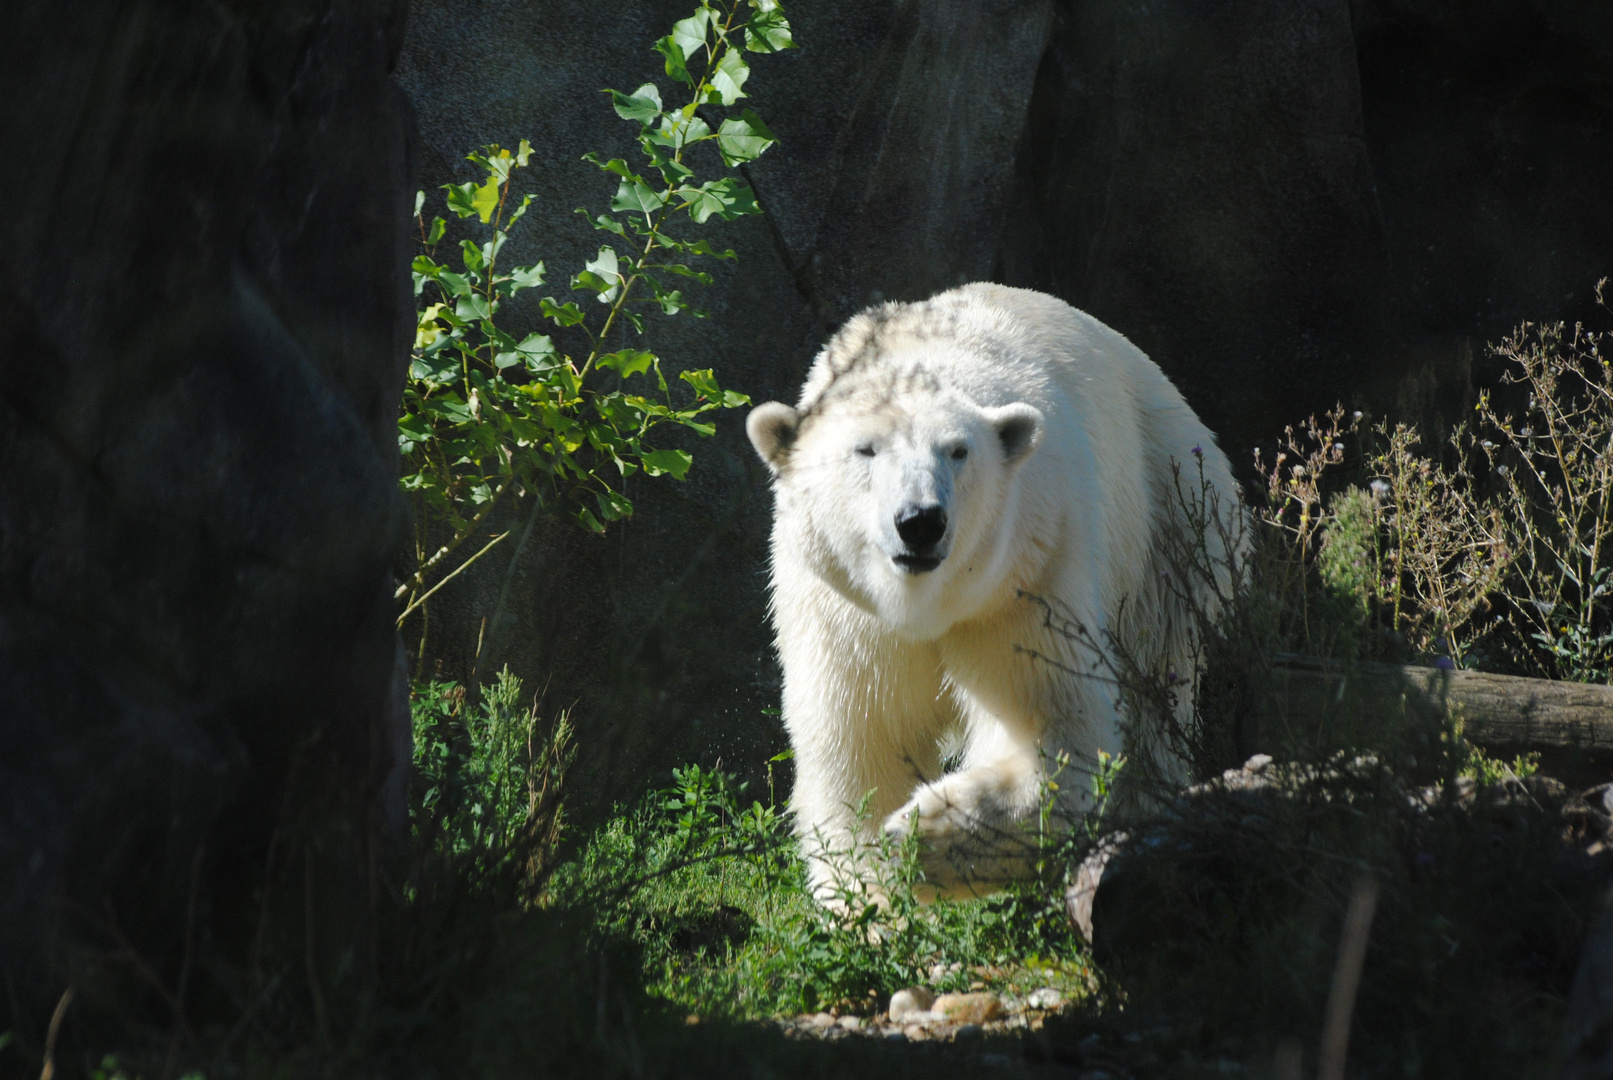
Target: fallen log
[[1500, 711]]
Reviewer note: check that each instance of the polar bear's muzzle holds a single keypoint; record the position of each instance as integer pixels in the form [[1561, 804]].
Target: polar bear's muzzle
[[922, 529]]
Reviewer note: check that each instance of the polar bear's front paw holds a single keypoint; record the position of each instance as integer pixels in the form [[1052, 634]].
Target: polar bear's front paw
[[939, 810], [970, 839]]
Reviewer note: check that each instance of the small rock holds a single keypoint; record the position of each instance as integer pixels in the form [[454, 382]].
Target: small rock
[[851, 1023], [895, 1035], [907, 1004], [968, 1031], [822, 1020], [975, 1008], [1045, 998], [916, 1032]]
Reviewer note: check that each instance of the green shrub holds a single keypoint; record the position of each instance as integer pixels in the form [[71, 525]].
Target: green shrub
[[490, 411], [488, 787]]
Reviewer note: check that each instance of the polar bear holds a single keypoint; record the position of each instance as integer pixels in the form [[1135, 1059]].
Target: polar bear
[[955, 470]]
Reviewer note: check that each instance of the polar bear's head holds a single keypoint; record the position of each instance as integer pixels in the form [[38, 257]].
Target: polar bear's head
[[902, 503]]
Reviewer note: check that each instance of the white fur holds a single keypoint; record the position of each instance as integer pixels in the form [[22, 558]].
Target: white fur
[[1048, 439]]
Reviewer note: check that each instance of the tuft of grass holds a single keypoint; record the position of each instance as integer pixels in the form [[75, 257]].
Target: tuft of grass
[[710, 892]]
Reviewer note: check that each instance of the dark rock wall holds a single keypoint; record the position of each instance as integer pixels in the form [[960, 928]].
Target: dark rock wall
[[1287, 204], [1197, 175], [204, 317]]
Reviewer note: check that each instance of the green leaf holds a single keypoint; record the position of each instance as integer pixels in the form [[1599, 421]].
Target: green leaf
[[588, 520], [602, 221], [419, 202], [743, 138], [538, 353], [474, 306], [519, 212], [728, 198], [677, 132], [613, 507], [674, 462], [523, 153], [728, 77], [629, 361], [689, 35], [705, 384], [768, 31], [473, 256], [601, 275], [695, 247], [525, 277], [491, 249], [677, 65], [636, 197], [457, 285], [684, 271], [567, 314], [643, 104], [468, 199], [438, 227]]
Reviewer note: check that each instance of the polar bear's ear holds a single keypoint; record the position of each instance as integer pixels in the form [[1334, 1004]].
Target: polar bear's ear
[[772, 429], [1019, 427]]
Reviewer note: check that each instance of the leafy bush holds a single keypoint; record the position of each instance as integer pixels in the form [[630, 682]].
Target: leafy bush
[[489, 411]]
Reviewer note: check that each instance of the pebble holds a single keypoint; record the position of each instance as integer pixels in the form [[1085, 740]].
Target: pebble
[[906, 1005], [916, 1032], [973, 1008], [851, 1023], [822, 1020], [1046, 998]]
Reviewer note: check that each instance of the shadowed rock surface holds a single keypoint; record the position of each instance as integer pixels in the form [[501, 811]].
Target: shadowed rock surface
[[206, 313], [1284, 204]]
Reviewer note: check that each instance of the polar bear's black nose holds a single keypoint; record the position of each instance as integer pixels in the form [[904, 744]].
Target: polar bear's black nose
[[921, 527]]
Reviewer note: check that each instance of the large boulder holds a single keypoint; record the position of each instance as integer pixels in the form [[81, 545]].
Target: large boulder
[[204, 319]]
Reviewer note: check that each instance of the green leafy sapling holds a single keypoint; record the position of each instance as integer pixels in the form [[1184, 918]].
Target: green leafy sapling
[[488, 412]]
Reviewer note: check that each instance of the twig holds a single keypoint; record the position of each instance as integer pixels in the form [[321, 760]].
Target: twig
[[419, 577], [55, 1028], [180, 1025], [504, 591], [1347, 978], [310, 957], [457, 571]]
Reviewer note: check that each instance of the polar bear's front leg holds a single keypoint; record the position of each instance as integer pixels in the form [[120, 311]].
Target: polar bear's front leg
[[972, 825], [864, 712]]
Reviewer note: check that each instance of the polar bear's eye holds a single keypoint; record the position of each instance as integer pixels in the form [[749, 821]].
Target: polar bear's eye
[[959, 453], [866, 450]]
